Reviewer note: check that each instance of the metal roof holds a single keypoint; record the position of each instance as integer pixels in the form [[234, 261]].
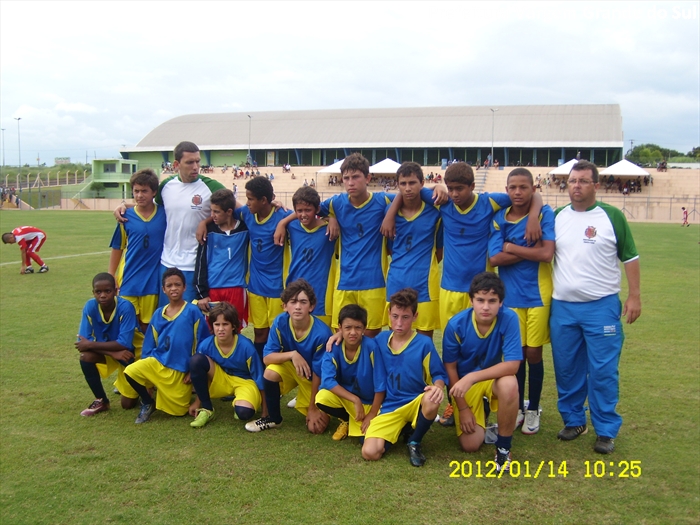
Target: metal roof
[[577, 126]]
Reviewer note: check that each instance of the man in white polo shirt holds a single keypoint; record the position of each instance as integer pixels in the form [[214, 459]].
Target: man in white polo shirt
[[586, 330], [185, 197]]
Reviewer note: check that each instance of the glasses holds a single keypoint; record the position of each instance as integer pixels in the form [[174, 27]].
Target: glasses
[[582, 182]]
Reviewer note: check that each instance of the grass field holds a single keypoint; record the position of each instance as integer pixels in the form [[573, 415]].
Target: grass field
[[58, 467]]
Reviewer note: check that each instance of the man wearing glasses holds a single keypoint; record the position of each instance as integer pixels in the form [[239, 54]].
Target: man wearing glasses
[[586, 330]]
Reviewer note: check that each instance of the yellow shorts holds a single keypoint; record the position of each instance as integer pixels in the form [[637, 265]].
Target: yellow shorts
[[223, 384], [372, 300], [290, 379], [328, 398], [173, 395], [108, 368], [388, 426], [145, 306], [451, 303], [263, 310], [534, 325], [475, 399], [428, 316]]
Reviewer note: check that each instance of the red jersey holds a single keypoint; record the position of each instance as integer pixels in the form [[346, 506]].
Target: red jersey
[[26, 234]]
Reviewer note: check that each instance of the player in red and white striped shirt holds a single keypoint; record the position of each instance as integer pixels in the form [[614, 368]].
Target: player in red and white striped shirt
[[30, 240]]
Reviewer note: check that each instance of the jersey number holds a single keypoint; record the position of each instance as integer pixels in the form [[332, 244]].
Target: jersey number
[[258, 245], [360, 230], [307, 255], [395, 380], [146, 242], [409, 242]]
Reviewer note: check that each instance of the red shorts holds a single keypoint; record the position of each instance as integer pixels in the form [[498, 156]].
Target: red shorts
[[238, 297]]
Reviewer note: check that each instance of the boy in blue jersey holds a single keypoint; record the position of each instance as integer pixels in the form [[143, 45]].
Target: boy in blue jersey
[[265, 283], [347, 376], [222, 260], [171, 339], [137, 246], [416, 249], [482, 353], [293, 357], [409, 372], [105, 343], [226, 364], [312, 252], [526, 272]]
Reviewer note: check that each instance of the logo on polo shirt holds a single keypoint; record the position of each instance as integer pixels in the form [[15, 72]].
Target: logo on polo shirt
[[590, 232], [197, 200]]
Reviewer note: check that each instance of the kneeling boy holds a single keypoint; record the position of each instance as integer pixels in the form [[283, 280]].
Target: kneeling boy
[[293, 355], [105, 343], [171, 339], [409, 371], [347, 376], [226, 364], [482, 353]]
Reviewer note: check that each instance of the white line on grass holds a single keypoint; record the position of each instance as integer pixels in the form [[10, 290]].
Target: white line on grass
[[62, 257]]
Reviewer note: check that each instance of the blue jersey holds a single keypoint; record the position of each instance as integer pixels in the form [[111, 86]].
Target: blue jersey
[[222, 261], [362, 248], [356, 376], [266, 258], [243, 361], [173, 340], [466, 239], [413, 260], [463, 344], [403, 374], [311, 346], [141, 240], [528, 283], [120, 327], [312, 258]]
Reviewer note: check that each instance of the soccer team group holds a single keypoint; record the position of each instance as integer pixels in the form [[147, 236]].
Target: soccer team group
[[189, 268]]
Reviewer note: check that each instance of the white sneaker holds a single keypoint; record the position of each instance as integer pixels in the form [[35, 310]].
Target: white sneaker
[[292, 403], [264, 423], [519, 420], [532, 422]]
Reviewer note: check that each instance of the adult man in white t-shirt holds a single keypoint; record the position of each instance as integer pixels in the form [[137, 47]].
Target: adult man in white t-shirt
[[586, 330], [185, 197]]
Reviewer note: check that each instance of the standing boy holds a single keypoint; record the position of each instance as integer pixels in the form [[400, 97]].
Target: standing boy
[[137, 246], [526, 272], [293, 357], [105, 342], [171, 339], [347, 376], [265, 283], [30, 241], [410, 373], [222, 260], [416, 250], [226, 364], [482, 353]]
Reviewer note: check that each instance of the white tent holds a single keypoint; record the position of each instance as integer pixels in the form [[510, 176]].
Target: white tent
[[333, 168], [625, 168], [564, 169], [385, 166]]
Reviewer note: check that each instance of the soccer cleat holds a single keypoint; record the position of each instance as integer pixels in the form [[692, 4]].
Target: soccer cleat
[[203, 417], [292, 403], [604, 445], [44, 269], [571, 433], [29, 269], [264, 423], [502, 460], [342, 431], [448, 417], [520, 419], [532, 423], [416, 454], [145, 413], [97, 406]]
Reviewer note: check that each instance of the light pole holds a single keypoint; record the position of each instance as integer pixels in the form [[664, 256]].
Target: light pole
[[3, 149], [250, 125], [493, 124], [19, 147]]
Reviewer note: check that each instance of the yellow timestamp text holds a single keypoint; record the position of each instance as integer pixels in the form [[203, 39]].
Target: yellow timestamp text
[[545, 469]]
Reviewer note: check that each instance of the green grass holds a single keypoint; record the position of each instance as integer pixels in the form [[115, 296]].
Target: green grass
[[58, 467]]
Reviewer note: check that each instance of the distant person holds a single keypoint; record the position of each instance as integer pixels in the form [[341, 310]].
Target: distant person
[[30, 240], [685, 217]]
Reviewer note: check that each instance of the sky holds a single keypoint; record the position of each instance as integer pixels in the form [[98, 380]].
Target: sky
[[88, 78]]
